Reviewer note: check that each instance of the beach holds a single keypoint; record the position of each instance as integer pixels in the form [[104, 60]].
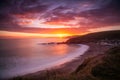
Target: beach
[[17, 60], [71, 66]]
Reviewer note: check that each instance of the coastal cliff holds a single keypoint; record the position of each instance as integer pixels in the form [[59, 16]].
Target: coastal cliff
[[95, 37]]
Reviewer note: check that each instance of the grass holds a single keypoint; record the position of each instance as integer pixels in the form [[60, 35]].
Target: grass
[[109, 69]]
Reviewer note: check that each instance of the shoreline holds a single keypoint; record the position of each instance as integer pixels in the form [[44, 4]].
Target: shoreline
[[71, 66], [94, 50], [57, 64]]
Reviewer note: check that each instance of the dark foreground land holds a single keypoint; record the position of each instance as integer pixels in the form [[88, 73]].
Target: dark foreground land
[[100, 62]]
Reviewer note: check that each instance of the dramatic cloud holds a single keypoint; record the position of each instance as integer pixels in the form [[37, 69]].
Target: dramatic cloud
[[30, 15]]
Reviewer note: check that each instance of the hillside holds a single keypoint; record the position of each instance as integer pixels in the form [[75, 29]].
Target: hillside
[[95, 37], [101, 67]]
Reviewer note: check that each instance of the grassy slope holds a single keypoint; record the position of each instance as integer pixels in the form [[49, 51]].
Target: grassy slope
[[109, 69], [101, 67], [94, 37]]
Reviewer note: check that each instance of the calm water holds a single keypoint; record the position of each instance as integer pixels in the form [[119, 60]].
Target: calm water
[[22, 56]]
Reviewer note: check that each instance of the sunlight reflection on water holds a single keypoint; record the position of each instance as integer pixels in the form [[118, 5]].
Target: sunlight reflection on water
[[20, 55]]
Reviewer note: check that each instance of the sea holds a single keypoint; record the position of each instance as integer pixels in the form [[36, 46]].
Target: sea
[[23, 56]]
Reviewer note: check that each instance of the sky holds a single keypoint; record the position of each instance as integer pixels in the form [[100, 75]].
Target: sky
[[55, 17]]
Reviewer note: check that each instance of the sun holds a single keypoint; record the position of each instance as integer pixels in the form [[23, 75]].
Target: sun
[[60, 35]]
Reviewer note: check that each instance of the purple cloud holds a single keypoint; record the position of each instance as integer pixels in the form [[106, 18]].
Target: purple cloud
[[83, 14]]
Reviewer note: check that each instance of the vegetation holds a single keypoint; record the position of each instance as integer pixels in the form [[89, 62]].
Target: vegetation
[[109, 69], [95, 37]]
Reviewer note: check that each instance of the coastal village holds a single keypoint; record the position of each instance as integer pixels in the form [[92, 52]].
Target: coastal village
[[108, 42]]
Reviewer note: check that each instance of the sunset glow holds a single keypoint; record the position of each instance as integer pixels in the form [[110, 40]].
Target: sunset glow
[[39, 24], [31, 35], [61, 33], [57, 18]]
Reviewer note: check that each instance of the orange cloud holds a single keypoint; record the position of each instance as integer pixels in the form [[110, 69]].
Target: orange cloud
[[10, 34]]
